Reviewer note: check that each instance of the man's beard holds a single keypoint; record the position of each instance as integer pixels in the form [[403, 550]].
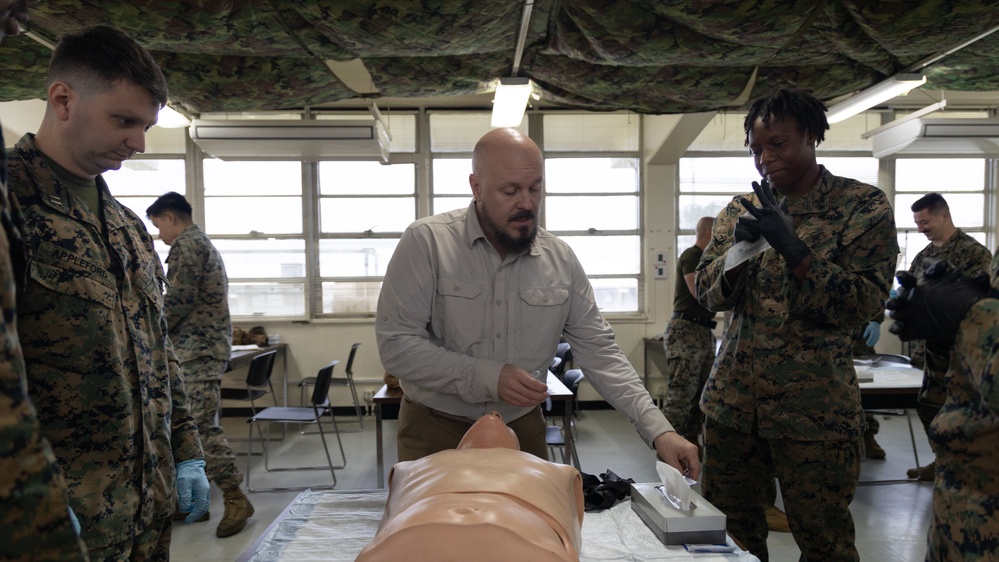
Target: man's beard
[[520, 243]]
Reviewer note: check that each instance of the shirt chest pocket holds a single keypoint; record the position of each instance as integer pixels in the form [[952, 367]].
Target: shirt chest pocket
[[541, 315], [459, 314]]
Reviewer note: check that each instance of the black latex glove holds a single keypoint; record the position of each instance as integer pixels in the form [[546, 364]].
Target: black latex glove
[[773, 222], [932, 307]]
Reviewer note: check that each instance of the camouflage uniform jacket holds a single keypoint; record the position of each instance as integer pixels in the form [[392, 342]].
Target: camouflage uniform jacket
[[965, 438], [197, 305], [785, 365], [34, 517], [99, 363], [971, 258]]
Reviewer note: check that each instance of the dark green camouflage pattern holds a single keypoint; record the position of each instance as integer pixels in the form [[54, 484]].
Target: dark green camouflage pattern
[[818, 480], [99, 362], [205, 396], [34, 505], [649, 56], [690, 352], [965, 438], [970, 257], [197, 302], [785, 368]]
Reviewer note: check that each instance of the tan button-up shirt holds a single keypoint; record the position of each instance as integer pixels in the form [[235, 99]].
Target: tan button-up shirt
[[451, 313]]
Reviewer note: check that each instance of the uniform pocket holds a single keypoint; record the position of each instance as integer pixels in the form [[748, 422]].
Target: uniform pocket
[[542, 312], [460, 309]]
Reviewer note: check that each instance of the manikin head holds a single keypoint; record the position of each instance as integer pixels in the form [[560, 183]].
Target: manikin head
[[490, 432]]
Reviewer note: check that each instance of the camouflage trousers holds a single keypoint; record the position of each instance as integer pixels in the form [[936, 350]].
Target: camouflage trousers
[[205, 398], [153, 544], [690, 352], [818, 480]]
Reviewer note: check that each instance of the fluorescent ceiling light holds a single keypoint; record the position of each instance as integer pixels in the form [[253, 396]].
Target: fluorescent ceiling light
[[510, 101], [170, 118], [878, 93]]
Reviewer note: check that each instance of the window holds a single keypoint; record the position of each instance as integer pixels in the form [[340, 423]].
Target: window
[[964, 189], [363, 209], [593, 201], [254, 216]]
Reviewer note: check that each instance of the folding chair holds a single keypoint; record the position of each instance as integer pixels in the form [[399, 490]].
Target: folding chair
[[347, 381], [312, 414], [258, 384]]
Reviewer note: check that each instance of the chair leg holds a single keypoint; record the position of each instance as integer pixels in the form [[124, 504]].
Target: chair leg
[[357, 405]]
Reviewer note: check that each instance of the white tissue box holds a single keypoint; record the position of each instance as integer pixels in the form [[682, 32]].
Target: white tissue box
[[705, 524]]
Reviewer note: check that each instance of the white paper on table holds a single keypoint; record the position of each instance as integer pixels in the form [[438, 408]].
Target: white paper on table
[[675, 484]]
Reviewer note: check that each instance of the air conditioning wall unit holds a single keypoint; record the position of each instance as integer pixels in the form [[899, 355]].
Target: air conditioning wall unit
[[349, 139], [938, 138]]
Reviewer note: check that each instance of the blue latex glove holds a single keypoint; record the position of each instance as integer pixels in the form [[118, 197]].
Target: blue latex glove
[[872, 333], [893, 293], [74, 521], [192, 489]]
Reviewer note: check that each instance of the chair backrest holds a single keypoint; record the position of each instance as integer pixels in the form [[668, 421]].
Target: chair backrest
[[259, 373], [564, 354], [572, 379], [349, 369], [320, 394]]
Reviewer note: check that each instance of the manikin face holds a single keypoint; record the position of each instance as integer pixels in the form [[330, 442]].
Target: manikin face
[[13, 14], [783, 154], [168, 225], [507, 193], [106, 127], [935, 226], [489, 432]]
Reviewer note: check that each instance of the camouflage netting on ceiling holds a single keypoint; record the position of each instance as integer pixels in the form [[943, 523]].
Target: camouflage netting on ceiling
[[642, 55]]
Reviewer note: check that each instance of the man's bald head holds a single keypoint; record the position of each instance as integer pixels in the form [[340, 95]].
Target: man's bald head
[[499, 145], [703, 231]]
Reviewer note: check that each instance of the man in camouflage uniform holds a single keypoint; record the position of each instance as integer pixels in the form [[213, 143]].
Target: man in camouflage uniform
[[947, 242], [197, 310], [783, 399], [945, 307], [100, 365], [689, 343], [35, 519]]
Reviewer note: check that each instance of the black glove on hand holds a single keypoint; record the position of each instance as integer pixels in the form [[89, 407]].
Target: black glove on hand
[[932, 307], [774, 223]]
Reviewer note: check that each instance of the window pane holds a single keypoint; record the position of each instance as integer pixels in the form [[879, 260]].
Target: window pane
[[693, 207], [682, 243], [580, 213], [717, 175], [458, 132], [369, 178], [267, 300], [253, 215], [147, 177], [858, 168], [347, 214], [592, 132], [607, 255], [350, 297], [355, 257], [925, 174], [616, 295], [252, 178], [966, 209], [451, 176], [444, 204], [591, 175], [262, 259]]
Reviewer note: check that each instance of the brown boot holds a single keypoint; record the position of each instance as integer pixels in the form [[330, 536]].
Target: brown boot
[[871, 447], [237, 510], [777, 520], [925, 474], [178, 516]]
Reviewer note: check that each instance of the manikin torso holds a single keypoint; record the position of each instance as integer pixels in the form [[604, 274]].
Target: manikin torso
[[484, 501]]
